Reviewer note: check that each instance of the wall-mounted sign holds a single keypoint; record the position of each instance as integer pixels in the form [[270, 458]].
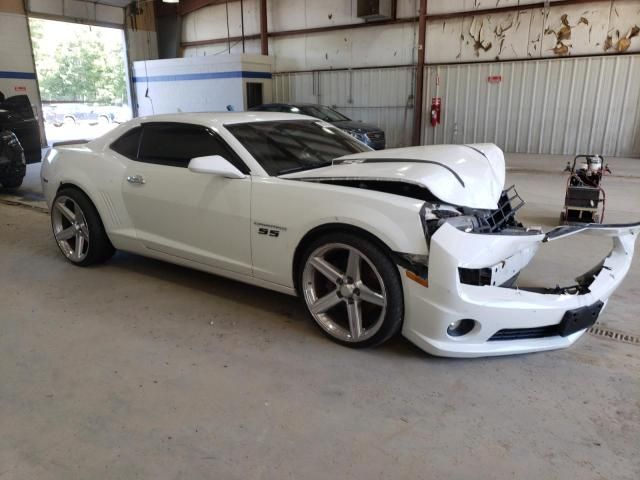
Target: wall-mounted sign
[[20, 88], [494, 78]]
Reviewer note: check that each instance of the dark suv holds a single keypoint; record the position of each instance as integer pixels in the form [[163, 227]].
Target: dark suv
[[368, 134], [19, 139], [16, 115]]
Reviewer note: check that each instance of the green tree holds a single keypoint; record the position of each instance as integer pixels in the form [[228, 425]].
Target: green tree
[[85, 69]]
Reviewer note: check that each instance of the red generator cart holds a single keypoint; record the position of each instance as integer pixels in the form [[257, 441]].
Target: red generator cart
[[584, 201]]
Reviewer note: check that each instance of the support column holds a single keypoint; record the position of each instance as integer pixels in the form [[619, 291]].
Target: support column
[[417, 111], [264, 40]]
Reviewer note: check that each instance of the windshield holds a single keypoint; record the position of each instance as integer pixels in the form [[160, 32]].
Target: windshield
[[290, 146], [323, 113]]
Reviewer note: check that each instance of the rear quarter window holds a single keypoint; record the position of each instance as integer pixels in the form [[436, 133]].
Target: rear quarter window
[[128, 144]]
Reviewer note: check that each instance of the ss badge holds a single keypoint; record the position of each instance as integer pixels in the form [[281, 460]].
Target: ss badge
[[268, 231]]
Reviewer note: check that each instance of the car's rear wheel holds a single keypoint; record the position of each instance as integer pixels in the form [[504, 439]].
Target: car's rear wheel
[[352, 290], [78, 230]]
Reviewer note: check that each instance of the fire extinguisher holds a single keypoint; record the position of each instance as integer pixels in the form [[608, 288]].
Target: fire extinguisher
[[435, 110]]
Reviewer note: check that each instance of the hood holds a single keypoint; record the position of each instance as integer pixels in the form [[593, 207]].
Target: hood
[[462, 175], [357, 126]]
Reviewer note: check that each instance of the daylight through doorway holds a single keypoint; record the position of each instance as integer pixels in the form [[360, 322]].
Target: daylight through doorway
[[82, 76]]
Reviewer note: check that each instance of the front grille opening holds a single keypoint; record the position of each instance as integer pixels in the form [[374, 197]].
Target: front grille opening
[[525, 333]]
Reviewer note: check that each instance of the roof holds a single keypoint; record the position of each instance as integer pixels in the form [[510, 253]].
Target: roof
[[224, 118], [297, 104]]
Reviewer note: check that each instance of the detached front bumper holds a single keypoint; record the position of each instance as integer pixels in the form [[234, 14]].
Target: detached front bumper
[[506, 320]]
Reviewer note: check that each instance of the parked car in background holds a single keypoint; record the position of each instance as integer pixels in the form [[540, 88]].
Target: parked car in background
[[59, 114], [368, 134], [16, 115]]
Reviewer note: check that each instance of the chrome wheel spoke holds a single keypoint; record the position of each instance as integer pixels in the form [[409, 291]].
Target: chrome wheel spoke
[[69, 215], [66, 234], [369, 296], [353, 266], [79, 246], [325, 303], [325, 268], [354, 311]]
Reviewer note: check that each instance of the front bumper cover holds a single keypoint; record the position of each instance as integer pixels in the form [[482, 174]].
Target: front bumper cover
[[429, 311]]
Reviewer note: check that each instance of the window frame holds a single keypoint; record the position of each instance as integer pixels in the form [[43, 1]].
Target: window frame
[[235, 159]]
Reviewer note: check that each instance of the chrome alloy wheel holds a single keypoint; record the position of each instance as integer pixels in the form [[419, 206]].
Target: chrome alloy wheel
[[70, 228], [344, 292]]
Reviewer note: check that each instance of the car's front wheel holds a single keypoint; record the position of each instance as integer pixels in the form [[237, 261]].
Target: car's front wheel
[[351, 289], [78, 229]]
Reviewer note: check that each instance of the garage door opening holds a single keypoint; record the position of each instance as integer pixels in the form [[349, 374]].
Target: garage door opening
[[82, 76]]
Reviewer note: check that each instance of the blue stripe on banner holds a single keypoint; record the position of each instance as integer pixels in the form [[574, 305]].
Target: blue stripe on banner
[[23, 75], [202, 76]]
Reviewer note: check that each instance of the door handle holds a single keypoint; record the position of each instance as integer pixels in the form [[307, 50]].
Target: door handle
[[136, 179]]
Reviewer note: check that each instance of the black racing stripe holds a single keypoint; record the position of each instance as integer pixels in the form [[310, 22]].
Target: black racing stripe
[[477, 150], [399, 160]]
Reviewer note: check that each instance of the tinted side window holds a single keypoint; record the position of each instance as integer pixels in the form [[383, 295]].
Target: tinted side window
[[128, 143], [175, 144]]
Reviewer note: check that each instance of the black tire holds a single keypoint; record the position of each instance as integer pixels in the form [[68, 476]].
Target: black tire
[[100, 248], [386, 268], [11, 182]]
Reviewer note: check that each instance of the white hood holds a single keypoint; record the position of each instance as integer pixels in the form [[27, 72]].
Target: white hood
[[462, 175]]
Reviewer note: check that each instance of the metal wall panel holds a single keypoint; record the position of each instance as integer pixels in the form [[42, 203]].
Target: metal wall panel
[[381, 96], [559, 106], [555, 106]]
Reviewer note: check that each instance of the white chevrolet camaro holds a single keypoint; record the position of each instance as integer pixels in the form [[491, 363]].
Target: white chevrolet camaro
[[420, 240]]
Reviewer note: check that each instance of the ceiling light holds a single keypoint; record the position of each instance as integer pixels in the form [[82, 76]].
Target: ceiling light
[[170, 1]]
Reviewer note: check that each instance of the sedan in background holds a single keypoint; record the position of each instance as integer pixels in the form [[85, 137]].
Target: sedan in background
[[368, 134], [75, 113]]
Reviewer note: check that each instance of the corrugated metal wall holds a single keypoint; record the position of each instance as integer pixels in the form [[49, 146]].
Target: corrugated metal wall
[[563, 106], [557, 106], [382, 96]]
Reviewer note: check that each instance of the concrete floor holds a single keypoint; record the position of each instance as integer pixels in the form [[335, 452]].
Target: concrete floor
[[141, 369]]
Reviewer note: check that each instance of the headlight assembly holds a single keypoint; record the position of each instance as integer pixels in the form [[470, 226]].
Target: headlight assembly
[[358, 136]]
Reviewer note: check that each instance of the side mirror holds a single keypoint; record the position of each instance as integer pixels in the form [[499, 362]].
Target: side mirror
[[215, 165]]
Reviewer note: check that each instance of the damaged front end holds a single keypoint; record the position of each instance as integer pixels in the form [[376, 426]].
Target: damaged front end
[[501, 219], [471, 305]]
